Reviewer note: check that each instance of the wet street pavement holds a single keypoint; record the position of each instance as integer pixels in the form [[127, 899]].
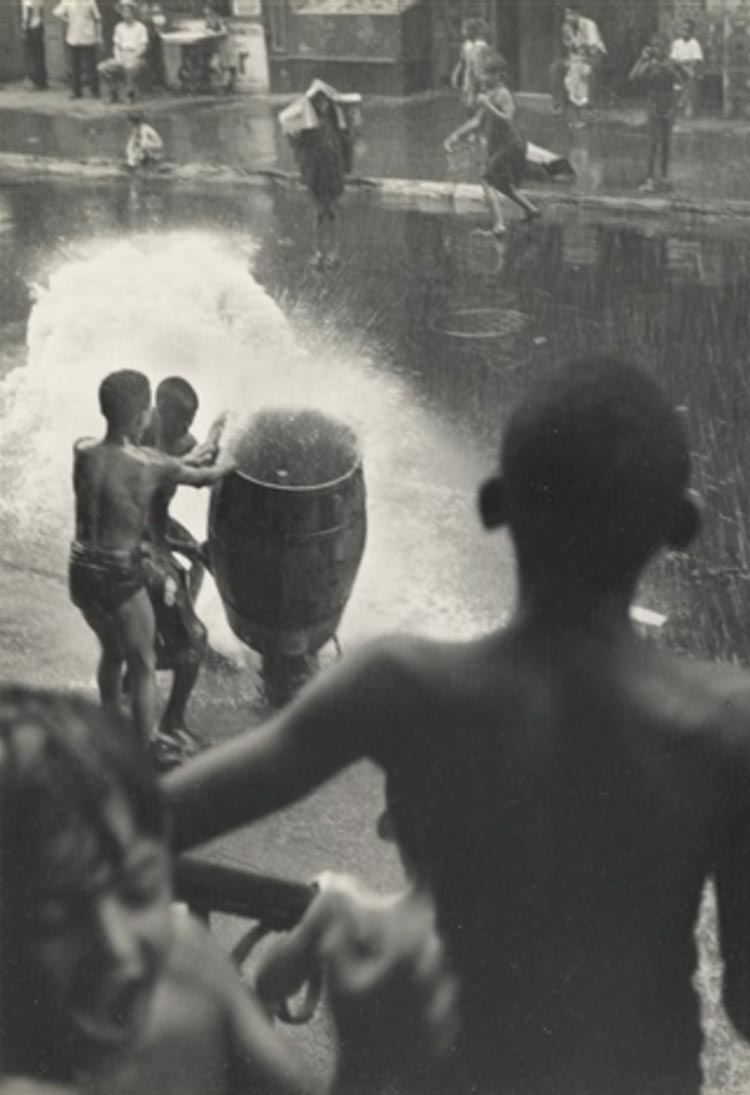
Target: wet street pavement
[[401, 139], [422, 340]]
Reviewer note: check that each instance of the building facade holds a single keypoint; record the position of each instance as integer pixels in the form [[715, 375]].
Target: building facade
[[397, 47]]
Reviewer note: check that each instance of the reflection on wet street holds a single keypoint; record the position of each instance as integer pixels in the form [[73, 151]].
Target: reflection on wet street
[[464, 325]]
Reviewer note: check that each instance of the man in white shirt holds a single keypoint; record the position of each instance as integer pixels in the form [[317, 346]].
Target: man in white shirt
[[83, 32], [32, 12], [688, 52], [128, 59], [573, 74]]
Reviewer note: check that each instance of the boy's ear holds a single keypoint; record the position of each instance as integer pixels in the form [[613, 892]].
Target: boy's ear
[[493, 504], [686, 522]]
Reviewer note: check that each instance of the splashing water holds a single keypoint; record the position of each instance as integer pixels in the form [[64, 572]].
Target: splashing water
[[187, 304]]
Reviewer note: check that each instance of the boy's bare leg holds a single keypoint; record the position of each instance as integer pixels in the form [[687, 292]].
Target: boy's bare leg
[[333, 234], [137, 634], [186, 672], [319, 233], [325, 232], [521, 200], [495, 203], [109, 671], [183, 682]]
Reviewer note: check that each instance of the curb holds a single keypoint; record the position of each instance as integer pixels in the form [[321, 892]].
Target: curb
[[420, 194]]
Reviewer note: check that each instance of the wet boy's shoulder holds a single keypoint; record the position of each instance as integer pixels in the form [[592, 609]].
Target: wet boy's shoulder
[[712, 702], [407, 665], [196, 961]]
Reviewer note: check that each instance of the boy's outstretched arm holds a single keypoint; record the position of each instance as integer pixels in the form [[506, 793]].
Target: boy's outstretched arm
[[191, 475], [338, 719], [207, 451], [463, 131]]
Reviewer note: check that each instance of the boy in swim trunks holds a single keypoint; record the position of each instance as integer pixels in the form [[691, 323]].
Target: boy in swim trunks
[[181, 637], [115, 481], [563, 788], [505, 143], [111, 989]]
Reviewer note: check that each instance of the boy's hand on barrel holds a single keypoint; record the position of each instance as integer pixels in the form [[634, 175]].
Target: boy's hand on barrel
[[217, 429], [226, 463]]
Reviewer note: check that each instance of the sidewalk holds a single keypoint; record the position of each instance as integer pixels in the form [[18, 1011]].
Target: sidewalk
[[402, 139]]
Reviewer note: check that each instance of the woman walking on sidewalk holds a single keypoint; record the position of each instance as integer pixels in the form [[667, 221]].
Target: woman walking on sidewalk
[[505, 144]]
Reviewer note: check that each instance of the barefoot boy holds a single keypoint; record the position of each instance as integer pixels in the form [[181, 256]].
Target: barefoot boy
[[115, 482], [180, 636], [561, 787], [110, 988], [505, 143]]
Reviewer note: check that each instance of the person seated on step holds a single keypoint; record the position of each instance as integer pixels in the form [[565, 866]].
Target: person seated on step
[[115, 481], [145, 147], [505, 143], [129, 48], [109, 987], [181, 638], [563, 788]]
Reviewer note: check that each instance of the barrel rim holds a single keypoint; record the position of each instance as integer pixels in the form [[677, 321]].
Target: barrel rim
[[302, 488]]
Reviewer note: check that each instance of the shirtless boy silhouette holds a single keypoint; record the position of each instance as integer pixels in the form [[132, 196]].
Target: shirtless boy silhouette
[[115, 482], [562, 788], [181, 638]]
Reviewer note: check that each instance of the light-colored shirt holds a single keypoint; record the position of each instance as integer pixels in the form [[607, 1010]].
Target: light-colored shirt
[[130, 43], [31, 14], [144, 143], [584, 37], [83, 21], [687, 52]]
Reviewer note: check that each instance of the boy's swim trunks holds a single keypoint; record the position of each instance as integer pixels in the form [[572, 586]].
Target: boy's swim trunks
[[101, 581]]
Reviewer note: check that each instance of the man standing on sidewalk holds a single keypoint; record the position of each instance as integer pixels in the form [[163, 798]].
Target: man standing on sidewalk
[[83, 33], [688, 52], [32, 21]]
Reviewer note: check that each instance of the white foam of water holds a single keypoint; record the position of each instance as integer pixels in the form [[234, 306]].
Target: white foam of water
[[187, 303]]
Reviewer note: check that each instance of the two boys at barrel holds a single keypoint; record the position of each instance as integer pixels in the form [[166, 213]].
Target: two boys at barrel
[[561, 788], [122, 492]]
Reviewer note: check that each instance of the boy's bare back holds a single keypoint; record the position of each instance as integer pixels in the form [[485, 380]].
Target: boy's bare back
[[565, 795], [114, 487]]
